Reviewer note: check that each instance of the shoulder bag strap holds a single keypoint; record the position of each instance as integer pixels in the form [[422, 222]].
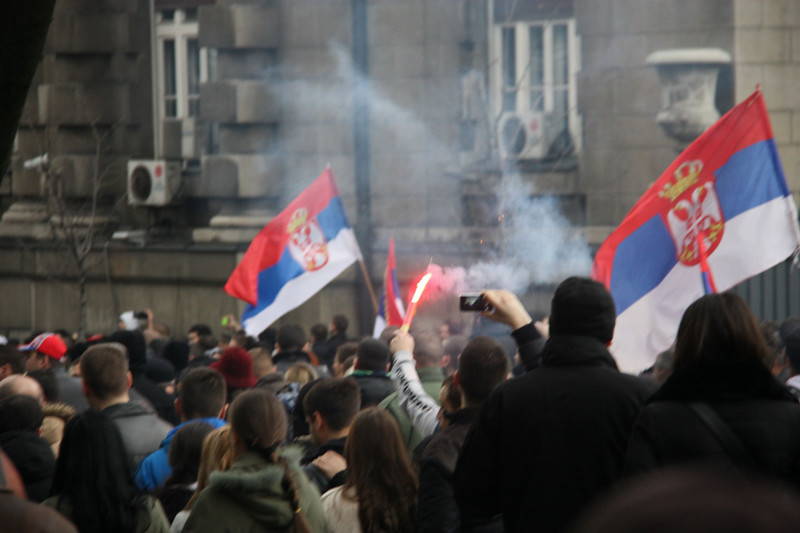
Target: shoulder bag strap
[[723, 433]]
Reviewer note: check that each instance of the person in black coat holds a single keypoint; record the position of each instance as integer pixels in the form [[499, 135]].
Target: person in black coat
[[548, 442], [719, 362]]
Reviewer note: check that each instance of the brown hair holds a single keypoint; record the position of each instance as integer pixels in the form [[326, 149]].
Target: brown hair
[[217, 454], [380, 473], [337, 400], [258, 418], [104, 369], [202, 392], [718, 328], [482, 366]]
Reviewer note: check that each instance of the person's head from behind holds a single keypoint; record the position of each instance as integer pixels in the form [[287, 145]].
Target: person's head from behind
[[380, 472], [197, 331], [201, 394], [343, 352], [291, 338], [388, 334], [216, 455], [11, 361], [338, 325], [104, 370], [718, 329], [93, 477], [662, 368], [185, 451], [482, 367], [449, 401], [301, 373], [372, 355], [262, 361], [582, 306], [318, 333], [20, 413], [330, 406], [258, 422], [19, 384], [427, 349]]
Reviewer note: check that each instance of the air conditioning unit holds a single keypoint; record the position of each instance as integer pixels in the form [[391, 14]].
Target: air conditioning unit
[[153, 182], [522, 135]]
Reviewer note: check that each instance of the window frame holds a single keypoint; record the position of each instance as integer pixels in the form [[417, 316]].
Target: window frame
[[522, 70]]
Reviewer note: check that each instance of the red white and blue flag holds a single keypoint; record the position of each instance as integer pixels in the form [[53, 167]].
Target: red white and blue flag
[[726, 191], [295, 255], [390, 307]]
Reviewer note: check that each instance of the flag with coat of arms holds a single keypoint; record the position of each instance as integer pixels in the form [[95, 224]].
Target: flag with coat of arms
[[722, 206], [295, 255]]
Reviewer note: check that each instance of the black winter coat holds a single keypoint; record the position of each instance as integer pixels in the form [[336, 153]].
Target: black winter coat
[[762, 413], [546, 443]]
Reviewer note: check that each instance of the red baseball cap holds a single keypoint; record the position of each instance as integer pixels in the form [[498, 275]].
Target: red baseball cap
[[49, 344]]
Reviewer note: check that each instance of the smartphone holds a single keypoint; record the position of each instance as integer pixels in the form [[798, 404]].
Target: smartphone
[[473, 301]]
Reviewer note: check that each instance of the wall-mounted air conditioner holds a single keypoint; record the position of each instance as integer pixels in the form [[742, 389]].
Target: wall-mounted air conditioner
[[522, 135], [153, 182]]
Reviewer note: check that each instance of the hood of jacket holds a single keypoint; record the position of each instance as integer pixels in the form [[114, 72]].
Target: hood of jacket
[[576, 350], [256, 485]]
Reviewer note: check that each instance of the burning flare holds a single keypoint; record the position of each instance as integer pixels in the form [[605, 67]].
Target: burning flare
[[412, 308]]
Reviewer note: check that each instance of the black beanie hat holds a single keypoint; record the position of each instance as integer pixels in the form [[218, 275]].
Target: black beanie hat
[[582, 306]]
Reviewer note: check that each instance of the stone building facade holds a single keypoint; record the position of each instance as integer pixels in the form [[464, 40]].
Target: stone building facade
[[248, 100]]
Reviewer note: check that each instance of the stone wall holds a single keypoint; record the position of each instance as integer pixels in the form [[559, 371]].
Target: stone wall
[[619, 95]]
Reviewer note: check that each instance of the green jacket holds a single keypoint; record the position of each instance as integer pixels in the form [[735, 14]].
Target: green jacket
[[249, 498], [431, 378]]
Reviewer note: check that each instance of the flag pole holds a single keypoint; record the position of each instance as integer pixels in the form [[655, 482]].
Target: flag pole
[[368, 283]]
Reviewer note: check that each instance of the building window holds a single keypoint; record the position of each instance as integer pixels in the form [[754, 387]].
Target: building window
[[182, 63], [533, 69]]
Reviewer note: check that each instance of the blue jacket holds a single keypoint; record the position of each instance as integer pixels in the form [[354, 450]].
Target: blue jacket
[[154, 469]]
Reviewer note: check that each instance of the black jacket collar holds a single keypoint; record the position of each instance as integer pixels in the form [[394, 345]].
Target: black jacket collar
[[576, 350]]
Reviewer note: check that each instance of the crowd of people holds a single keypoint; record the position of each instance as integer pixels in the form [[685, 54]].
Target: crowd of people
[[528, 427]]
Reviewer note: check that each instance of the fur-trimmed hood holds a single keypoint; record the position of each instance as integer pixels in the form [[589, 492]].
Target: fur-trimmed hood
[[256, 485]]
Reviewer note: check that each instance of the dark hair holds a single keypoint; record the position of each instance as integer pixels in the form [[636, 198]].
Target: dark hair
[[185, 451], [20, 412], [104, 369], [337, 400], [453, 393], [291, 337], [483, 366], [93, 479], [380, 473], [298, 415], [202, 392], [345, 350], [10, 356], [134, 341], [718, 328], [177, 353], [372, 354], [319, 332], [427, 349], [46, 380], [340, 323], [202, 330], [258, 418], [770, 330]]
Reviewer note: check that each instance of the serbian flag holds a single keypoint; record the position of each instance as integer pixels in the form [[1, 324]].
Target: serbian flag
[[390, 307], [728, 188], [294, 256]]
